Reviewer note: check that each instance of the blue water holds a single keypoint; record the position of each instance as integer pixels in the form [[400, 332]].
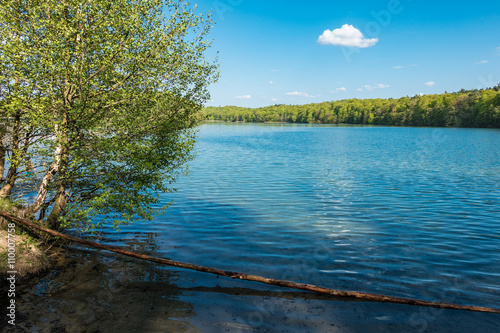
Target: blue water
[[411, 212]]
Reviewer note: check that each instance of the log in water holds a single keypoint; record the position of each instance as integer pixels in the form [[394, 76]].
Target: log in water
[[255, 278]]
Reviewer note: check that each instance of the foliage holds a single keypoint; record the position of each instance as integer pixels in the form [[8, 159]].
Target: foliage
[[6, 205], [98, 101], [467, 108]]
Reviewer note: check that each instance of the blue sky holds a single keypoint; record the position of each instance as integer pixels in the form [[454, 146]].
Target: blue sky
[[271, 52]]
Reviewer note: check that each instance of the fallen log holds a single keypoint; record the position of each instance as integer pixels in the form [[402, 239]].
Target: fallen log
[[235, 275]]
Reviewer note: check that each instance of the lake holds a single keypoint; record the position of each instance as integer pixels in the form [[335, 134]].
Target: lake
[[409, 212]]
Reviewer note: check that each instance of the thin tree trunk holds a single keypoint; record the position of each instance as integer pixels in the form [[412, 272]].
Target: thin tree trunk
[[44, 185], [15, 160], [256, 278], [59, 165], [59, 156], [3, 152], [59, 205], [60, 199]]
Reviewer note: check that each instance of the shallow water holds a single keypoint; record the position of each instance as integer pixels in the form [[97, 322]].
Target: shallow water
[[410, 212]]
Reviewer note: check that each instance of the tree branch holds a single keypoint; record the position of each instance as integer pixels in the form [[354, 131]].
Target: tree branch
[[248, 277]]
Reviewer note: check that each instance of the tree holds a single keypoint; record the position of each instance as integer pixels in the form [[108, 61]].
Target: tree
[[101, 97]]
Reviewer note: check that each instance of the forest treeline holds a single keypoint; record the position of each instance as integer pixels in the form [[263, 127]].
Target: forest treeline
[[466, 108]]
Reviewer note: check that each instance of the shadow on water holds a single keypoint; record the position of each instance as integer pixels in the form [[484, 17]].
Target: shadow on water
[[93, 291], [102, 292], [96, 291]]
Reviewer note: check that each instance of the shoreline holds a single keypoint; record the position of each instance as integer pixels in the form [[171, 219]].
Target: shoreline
[[108, 294], [24, 260], [212, 121]]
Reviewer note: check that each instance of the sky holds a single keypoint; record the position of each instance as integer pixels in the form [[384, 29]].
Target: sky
[[300, 52]]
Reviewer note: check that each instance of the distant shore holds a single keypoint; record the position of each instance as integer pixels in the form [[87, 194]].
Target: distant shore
[[466, 108]]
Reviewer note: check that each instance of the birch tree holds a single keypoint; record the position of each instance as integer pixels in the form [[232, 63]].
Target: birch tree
[[98, 101]]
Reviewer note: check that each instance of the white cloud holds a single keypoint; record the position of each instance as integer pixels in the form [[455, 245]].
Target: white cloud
[[429, 84], [341, 89], [376, 86], [244, 97], [271, 82], [346, 36], [400, 67], [298, 93], [359, 89], [482, 62]]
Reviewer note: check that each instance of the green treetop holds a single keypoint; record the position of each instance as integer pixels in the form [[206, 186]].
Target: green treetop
[[98, 99]]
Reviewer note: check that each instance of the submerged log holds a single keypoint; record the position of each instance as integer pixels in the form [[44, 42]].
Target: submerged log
[[248, 277]]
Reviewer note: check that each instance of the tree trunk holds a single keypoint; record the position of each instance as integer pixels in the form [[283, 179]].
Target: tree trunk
[[59, 206], [15, 160], [241, 276], [60, 156], [3, 152], [44, 185]]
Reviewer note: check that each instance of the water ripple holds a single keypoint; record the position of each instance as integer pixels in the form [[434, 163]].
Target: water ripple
[[399, 211]]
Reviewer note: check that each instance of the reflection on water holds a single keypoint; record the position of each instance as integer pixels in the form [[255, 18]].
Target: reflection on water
[[99, 292], [411, 212]]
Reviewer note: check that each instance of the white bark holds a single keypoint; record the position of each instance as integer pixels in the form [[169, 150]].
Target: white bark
[[47, 178]]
